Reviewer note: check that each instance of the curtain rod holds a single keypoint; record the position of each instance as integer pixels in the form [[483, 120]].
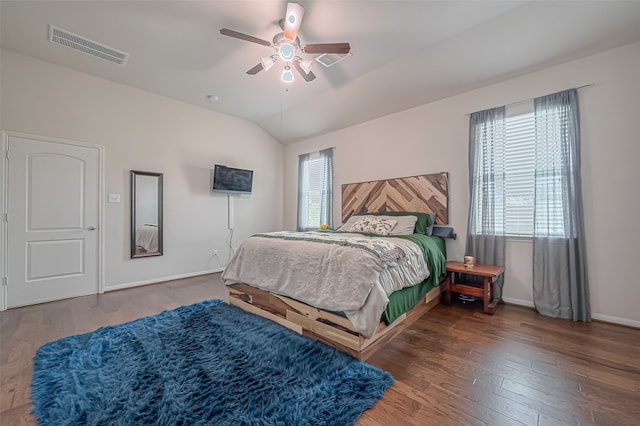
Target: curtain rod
[[530, 99], [317, 151], [322, 149]]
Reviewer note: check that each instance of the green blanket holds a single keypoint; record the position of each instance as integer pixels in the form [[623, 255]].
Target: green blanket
[[435, 253]]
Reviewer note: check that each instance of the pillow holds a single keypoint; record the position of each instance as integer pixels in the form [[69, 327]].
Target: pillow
[[405, 226], [432, 216], [349, 223], [424, 224], [373, 225], [361, 225]]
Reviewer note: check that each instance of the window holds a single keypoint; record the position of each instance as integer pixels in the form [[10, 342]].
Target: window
[[315, 190], [511, 166], [315, 170], [524, 170]]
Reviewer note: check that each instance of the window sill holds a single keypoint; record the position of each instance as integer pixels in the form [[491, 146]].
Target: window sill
[[516, 239]]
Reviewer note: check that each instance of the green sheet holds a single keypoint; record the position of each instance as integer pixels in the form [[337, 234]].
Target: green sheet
[[435, 252]]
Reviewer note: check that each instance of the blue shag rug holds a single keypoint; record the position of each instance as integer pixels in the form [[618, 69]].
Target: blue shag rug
[[205, 364]]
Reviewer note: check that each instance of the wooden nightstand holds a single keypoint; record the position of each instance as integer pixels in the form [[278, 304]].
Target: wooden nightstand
[[483, 289]]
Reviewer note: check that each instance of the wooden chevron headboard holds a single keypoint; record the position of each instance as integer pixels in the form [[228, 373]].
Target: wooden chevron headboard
[[424, 193]]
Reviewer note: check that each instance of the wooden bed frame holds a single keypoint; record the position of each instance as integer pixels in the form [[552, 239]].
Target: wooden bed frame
[[424, 193], [327, 327]]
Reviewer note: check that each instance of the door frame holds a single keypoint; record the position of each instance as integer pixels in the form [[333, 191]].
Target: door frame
[[4, 189]]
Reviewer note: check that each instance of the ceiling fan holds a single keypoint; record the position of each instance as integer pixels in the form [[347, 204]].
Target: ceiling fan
[[288, 48]]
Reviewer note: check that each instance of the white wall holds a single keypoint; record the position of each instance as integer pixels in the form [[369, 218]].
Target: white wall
[[434, 137], [143, 131]]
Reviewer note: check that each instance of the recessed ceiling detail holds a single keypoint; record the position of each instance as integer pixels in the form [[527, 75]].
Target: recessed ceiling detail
[[85, 45]]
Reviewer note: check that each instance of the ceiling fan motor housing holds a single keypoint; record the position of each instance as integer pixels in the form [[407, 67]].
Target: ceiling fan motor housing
[[286, 48]]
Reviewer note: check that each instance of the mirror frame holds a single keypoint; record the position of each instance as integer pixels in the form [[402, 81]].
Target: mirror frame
[[134, 255]]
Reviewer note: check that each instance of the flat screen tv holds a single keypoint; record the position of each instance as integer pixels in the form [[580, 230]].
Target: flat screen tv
[[232, 180]]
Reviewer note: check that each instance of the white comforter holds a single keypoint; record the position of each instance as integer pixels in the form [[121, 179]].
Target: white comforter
[[331, 276], [147, 237]]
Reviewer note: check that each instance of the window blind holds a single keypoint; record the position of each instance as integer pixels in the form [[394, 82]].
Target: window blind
[[551, 173], [314, 198], [315, 190], [519, 154]]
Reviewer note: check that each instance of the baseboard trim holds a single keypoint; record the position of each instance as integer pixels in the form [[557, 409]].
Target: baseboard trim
[[597, 317], [160, 280], [520, 302], [616, 320]]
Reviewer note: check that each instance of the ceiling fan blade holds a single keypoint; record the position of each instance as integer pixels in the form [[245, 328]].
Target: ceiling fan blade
[[307, 76], [340, 48], [292, 20], [255, 70], [246, 37]]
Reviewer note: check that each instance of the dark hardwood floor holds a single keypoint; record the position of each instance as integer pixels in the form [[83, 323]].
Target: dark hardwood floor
[[454, 366]]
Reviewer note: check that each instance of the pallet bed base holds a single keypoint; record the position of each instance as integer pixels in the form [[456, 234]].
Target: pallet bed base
[[329, 328]]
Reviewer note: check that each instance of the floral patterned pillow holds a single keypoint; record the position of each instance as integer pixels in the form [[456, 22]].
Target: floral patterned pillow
[[374, 225]]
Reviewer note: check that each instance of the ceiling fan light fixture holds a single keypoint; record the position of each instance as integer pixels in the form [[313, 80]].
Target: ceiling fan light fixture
[[287, 74], [268, 62], [305, 64], [287, 52]]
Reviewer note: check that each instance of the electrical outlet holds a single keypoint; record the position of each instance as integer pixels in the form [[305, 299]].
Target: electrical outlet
[[215, 252]]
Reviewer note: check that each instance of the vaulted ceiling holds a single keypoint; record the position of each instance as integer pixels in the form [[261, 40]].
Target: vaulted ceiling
[[404, 53]]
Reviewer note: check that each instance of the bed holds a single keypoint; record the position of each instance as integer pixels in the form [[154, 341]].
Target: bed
[[359, 286], [147, 238]]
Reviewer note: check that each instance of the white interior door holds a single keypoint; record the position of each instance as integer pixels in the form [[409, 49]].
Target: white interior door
[[53, 211]]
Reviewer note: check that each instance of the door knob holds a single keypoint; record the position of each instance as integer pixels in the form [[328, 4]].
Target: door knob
[[91, 228]]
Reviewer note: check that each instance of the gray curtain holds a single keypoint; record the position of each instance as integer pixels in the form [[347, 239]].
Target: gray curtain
[[485, 228], [560, 282], [303, 190], [326, 205]]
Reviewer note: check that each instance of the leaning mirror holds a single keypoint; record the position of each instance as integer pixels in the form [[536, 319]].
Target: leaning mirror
[[146, 214]]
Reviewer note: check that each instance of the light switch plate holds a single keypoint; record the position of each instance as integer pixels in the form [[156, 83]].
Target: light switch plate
[[114, 198]]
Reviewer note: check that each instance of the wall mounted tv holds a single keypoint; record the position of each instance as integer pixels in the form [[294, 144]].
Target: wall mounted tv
[[232, 180]]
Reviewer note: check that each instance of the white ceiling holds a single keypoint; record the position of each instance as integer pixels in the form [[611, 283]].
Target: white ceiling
[[405, 53]]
